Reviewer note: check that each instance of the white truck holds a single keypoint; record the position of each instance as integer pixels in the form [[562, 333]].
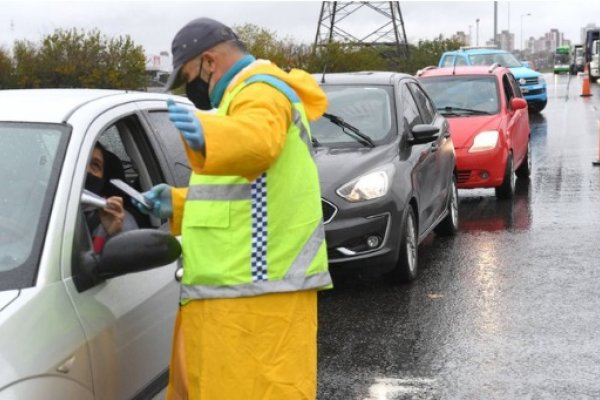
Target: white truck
[[591, 52], [595, 61]]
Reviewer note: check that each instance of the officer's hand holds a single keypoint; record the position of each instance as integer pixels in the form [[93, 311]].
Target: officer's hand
[[160, 198], [188, 124]]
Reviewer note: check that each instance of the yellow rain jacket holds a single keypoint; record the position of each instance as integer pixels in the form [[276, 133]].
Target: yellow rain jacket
[[258, 347]]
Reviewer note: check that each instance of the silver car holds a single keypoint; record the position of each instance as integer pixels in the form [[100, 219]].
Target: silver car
[[75, 324]]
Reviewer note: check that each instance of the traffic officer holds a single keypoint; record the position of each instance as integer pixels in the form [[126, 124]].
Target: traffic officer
[[251, 224]]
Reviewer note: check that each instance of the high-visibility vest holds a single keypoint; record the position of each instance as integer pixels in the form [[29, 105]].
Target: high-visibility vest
[[244, 238]]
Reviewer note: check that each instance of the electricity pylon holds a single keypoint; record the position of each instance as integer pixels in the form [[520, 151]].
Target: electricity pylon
[[336, 25]]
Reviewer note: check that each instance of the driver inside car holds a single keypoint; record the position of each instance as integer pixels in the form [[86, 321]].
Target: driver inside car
[[113, 219]]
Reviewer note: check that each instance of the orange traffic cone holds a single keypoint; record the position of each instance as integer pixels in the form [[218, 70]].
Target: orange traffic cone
[[585, 88]]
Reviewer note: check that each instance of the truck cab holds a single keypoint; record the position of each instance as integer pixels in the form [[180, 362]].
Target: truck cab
[[577, 59], [595, 61]]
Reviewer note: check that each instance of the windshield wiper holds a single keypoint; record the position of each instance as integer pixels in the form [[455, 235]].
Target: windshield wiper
[[356, 133], [451, 110]]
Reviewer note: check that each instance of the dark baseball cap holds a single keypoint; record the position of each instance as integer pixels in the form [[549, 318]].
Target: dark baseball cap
[[193, 39]]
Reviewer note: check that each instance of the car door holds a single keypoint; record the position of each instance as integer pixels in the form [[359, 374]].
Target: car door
[[442, 149], [128, 320], [522, 120], [517, 123], [422, 159]]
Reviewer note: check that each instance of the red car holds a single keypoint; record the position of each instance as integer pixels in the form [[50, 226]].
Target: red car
[[488, 121]]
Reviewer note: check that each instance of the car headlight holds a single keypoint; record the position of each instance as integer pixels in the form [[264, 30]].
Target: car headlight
[[541, 80], [367, 187], [485, 140]]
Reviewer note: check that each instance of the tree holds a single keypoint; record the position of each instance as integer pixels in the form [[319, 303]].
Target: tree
[[73, 58], [265, 44], [27, 72], [427, 52], [6, 69], [345, 57]]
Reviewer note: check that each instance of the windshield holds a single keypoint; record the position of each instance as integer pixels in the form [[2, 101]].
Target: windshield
[[459, 95], [504, 59], [367, 108], [30, 159], [561, 58]]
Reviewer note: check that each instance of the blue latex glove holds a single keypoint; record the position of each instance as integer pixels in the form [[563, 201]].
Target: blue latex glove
[[188, 124], [161, 199]]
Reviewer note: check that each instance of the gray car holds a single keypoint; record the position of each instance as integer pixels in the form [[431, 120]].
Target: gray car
[[75, 324], [387, 170]]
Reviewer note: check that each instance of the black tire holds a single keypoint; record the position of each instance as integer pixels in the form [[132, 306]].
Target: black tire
[[537, 106], [507, 189], [449, 225], [407, 266], [524, 170]]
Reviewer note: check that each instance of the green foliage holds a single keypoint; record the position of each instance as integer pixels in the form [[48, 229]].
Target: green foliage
[[427, 53], [5, 69], [75, 59], [342, 57], [265, 44]]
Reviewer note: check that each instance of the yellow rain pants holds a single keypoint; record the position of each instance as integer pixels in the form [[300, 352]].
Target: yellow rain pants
[[251, 348]]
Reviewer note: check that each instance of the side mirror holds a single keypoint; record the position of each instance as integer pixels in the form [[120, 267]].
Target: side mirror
[[137, 250], [518, 103], [423, 133]]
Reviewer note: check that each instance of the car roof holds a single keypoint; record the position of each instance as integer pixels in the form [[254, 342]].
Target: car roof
[[56, 105], [478, 50], [464, 70], [361, 77]]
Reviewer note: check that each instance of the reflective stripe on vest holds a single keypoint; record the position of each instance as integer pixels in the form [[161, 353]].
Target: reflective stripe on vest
[[295, 278]]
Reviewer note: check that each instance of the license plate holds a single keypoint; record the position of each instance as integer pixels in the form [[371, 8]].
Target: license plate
[[524, 90]]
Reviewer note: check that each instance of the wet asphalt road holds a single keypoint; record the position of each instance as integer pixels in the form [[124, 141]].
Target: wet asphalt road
[[507, 309]]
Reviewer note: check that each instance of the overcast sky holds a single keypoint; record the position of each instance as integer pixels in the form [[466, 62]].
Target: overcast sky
[[153, 24]]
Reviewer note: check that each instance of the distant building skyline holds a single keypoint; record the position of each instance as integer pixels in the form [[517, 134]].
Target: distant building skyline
[[546, 43]]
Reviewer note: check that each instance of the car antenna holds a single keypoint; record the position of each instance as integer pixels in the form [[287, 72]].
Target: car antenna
[[323, 76], [454, 66]]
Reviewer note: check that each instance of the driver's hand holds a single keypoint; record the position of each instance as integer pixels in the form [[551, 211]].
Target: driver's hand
[[113, 215]]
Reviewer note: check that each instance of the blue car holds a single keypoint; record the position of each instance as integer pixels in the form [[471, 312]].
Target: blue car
[[532, 83]]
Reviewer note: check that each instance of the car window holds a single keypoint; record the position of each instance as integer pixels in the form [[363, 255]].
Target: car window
[[410, 111], [447, 61], [368, 108], [515, 85], [172, 145], [475, 92], [504, 59], [508, 90], [459, 61], [30, 162], [425, 106]]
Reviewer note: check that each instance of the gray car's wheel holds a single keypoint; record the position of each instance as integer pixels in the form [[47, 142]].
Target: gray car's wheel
[[524, 169], [449, 225], [507, 189], [407, 266]]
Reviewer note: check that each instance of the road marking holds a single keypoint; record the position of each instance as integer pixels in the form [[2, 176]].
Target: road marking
[[388, 388]]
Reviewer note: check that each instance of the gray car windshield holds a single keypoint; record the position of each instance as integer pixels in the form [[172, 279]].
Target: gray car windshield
[[504, 59], [30, 159], [367, 108], [463, 95]]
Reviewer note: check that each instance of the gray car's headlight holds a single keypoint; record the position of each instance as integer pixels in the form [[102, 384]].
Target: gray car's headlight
[[367, 187]]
